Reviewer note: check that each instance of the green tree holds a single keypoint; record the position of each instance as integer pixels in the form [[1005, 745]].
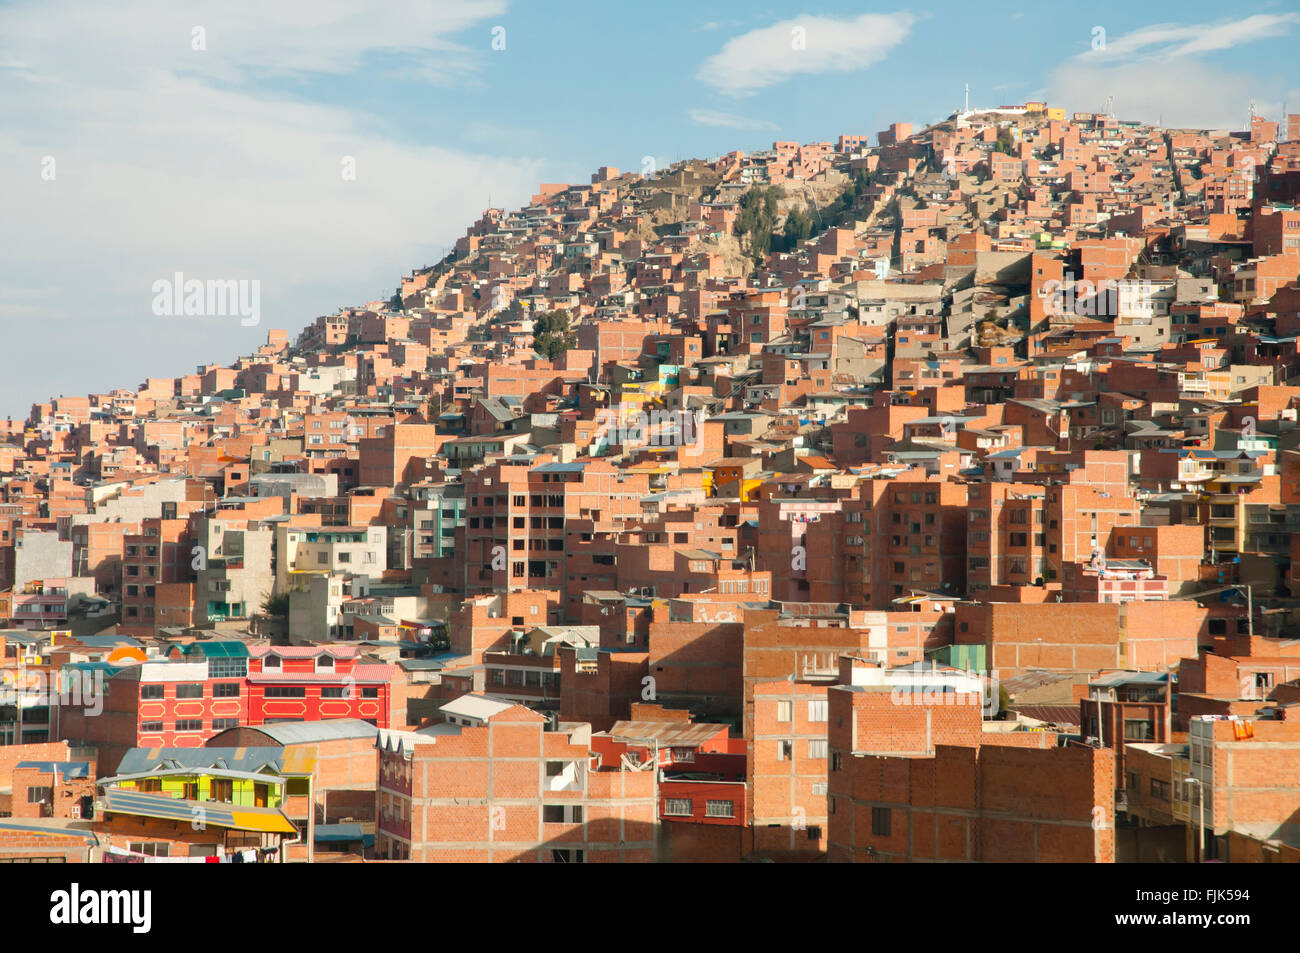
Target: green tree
[[757, 218], [276, 605], [552, 335], [798, 228]]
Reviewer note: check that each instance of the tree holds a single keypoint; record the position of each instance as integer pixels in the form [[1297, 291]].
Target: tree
[[276, 605], [551, 334], [757, 218], [798, 228], [1004, 700]]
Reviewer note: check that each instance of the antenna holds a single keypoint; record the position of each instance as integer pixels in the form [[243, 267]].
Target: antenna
[[967, 109]]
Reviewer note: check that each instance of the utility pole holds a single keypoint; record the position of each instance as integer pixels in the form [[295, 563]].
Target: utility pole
[[1200, 789], [1101, 721], [1200, 794]]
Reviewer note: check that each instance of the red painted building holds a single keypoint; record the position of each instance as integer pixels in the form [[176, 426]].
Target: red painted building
[[207, 687], [313, 683]]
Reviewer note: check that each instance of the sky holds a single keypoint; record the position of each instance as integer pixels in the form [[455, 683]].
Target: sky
[[323, 149]]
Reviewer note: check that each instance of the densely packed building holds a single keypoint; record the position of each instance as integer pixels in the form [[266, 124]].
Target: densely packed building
[[930, 500]]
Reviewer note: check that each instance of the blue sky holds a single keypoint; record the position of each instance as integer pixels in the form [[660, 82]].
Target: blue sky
[[223, 161]]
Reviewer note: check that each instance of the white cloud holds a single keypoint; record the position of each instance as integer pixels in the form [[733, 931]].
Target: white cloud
[[1195, 95], [1157, 74], [803, 45], [170, 159], [1170, 41], [712, 117]]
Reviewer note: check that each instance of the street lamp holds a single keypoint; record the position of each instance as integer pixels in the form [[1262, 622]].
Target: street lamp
[[1201, 792]]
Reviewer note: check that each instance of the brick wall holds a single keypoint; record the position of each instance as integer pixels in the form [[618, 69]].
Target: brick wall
[[992, 803]]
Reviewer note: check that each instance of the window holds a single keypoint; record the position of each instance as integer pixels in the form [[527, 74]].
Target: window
[[333, 691], [285, 691], [221, 724], [148, 848], [784, 750], [817, 711], [880, 821], [272, 661], [1138, 730], [837, 761], [371, 692], [227, 668], [719, 808], [39, 794], [189, 724], [226, 690], [562, 813], [817, 748], [819, 789], [1160, 789], [554, 768], [784, 711], [190, 690], [677, 807], [151, 691], [151, 727], [325, 662], [222, 789]]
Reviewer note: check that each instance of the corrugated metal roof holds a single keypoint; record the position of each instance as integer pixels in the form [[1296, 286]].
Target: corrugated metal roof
[[142, 761], [305, 732], [1130, 678], [226, 648], [674, 734], [50, 826], [66, 769], [270, 820], [1052, 714], [475, 706]]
